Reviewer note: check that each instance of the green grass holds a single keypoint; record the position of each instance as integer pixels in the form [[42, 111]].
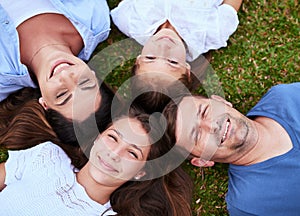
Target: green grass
[[264, 51]]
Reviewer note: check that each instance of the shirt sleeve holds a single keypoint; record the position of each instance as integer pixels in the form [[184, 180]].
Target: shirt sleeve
[[26, 163], [16, 164], [236, 212], [229, 21], [121, 16], [221, 23]]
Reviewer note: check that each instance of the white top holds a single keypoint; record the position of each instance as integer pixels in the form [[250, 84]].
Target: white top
[[203, 24], [28, 8], [41, 181]]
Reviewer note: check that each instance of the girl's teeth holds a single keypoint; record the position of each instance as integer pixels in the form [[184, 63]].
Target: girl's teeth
[[59, 66]]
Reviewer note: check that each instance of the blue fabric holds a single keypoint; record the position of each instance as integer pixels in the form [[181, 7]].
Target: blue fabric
[[90, 18], [271, 187]]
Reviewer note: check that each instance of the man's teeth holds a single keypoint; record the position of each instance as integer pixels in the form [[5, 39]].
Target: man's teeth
[[225, 132]]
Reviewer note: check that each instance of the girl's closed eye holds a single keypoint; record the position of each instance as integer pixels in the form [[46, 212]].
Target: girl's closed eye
[[61, 94], [205, 112], [86, 83], [173, 61], [150, 57], [112, 137], [83, 82], [133, 154]]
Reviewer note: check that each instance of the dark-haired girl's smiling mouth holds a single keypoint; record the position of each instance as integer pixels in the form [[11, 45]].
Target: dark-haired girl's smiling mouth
[[58, 68]]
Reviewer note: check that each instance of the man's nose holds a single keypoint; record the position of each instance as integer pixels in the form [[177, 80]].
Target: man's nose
[[209, 126]]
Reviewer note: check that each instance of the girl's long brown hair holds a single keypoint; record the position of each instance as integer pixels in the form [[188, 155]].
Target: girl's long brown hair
[[168, 195], [23, 125]]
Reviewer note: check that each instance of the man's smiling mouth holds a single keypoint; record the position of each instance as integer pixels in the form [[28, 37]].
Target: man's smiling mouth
[[224, 137]]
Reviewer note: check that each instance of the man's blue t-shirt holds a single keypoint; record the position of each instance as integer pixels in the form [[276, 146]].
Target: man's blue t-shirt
[[271, 187]]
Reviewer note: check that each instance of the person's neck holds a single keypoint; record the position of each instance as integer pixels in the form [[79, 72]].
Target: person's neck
[[97, 192], [45, 30], [272, 141], [167, 25]]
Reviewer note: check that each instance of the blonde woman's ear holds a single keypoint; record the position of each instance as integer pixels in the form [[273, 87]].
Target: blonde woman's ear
[[43, 103]]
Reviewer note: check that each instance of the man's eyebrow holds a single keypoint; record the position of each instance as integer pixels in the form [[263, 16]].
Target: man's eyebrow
[[195, 133], [65, 101], [199, 110]]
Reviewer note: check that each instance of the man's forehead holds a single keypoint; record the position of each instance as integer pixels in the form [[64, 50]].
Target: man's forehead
[[189, 101], [183, 139], [186, 117]]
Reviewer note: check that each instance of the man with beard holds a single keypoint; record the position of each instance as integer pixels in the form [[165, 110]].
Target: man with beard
[[262, 147]]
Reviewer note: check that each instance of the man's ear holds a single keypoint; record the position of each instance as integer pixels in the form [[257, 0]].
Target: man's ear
[[43, 103], [139, 175], [219, 98], [198, 162]]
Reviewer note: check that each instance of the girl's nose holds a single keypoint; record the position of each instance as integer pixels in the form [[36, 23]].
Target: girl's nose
[[115, 154]]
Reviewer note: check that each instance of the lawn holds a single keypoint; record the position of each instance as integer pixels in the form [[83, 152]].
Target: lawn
[[263, 52]]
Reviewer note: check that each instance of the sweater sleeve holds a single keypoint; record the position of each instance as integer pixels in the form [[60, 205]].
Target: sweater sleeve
[[222, 22], [25, 163], [17, 162], [229, 21], [121, 16]]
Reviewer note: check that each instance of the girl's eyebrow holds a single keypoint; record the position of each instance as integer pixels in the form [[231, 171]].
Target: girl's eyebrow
[[117, 132], [89, 87], [131, 144]]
